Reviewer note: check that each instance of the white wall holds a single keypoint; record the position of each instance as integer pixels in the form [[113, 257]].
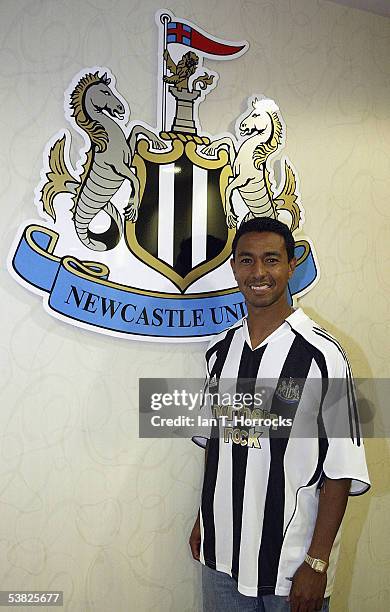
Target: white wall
[[86, 506]]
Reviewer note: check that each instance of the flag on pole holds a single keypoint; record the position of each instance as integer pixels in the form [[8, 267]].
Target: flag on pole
[[179, 32]]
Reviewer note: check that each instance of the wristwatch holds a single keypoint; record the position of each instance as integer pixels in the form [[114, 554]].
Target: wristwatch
[[318, 565]]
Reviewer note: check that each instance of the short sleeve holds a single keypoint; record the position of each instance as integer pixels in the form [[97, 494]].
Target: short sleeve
[[345, 456], [203, 426], [203, 417]]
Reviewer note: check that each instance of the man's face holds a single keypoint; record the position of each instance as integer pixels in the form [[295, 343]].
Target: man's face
[[261, 268]]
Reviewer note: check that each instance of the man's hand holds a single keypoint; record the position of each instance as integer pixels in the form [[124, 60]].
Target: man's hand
[[307, 591], [308, 587], [195, 539]]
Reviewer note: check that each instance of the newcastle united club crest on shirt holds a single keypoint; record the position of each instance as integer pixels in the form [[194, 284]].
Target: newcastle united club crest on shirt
[[137, 224]]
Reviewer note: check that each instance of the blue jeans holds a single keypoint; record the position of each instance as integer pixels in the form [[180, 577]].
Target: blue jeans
[[220, 594]]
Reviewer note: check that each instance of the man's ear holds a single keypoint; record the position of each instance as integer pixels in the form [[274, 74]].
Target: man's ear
[[233, 265], [292, 264]]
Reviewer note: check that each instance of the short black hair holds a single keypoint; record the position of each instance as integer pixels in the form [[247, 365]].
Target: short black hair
[[266, 224]]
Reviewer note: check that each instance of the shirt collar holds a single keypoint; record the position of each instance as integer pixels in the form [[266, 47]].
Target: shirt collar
[[291, 321]]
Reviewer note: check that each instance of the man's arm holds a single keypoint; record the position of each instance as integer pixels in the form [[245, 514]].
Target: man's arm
[[195, 539], [308, 586], [195, 533]]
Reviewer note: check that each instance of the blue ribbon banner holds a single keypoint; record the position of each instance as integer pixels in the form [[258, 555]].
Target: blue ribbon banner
[[82, 292]]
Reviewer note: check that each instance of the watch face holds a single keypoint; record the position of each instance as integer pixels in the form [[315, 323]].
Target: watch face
[[319, 566]]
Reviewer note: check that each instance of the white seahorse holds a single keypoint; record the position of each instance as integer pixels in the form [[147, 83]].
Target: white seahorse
[[262, 130]]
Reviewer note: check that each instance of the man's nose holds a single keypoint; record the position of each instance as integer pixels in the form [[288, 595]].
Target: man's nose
[[259, 268]]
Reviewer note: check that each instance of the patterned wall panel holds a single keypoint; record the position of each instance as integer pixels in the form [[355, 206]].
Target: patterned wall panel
[[85, 505]]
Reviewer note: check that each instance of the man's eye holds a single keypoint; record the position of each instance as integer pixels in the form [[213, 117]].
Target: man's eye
[[246, 260], [271, 260]]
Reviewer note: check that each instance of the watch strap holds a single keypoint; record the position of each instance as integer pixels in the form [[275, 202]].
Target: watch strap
[[318, 565]]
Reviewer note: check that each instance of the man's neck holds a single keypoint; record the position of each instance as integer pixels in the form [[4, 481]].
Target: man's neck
[[263, 321]]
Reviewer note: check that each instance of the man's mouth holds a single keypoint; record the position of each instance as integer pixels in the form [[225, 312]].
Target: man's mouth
[[259, 288]]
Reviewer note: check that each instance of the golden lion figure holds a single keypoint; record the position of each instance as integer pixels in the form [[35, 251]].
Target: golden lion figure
[[182, 71]]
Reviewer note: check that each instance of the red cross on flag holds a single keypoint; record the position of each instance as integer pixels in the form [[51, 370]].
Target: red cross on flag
[[181, 33]]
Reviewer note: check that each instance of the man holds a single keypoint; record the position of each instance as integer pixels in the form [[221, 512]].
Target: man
[[267, 532]]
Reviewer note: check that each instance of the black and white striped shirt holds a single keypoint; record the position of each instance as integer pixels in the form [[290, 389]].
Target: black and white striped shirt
[[259, 501]]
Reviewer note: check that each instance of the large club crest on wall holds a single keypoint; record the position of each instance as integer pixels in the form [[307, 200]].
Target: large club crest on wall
[[138, 233]]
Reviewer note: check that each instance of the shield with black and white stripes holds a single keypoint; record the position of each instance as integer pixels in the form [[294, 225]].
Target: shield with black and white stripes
[[181, 228]]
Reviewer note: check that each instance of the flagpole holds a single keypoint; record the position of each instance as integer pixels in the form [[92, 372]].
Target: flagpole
[[165, 19]]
